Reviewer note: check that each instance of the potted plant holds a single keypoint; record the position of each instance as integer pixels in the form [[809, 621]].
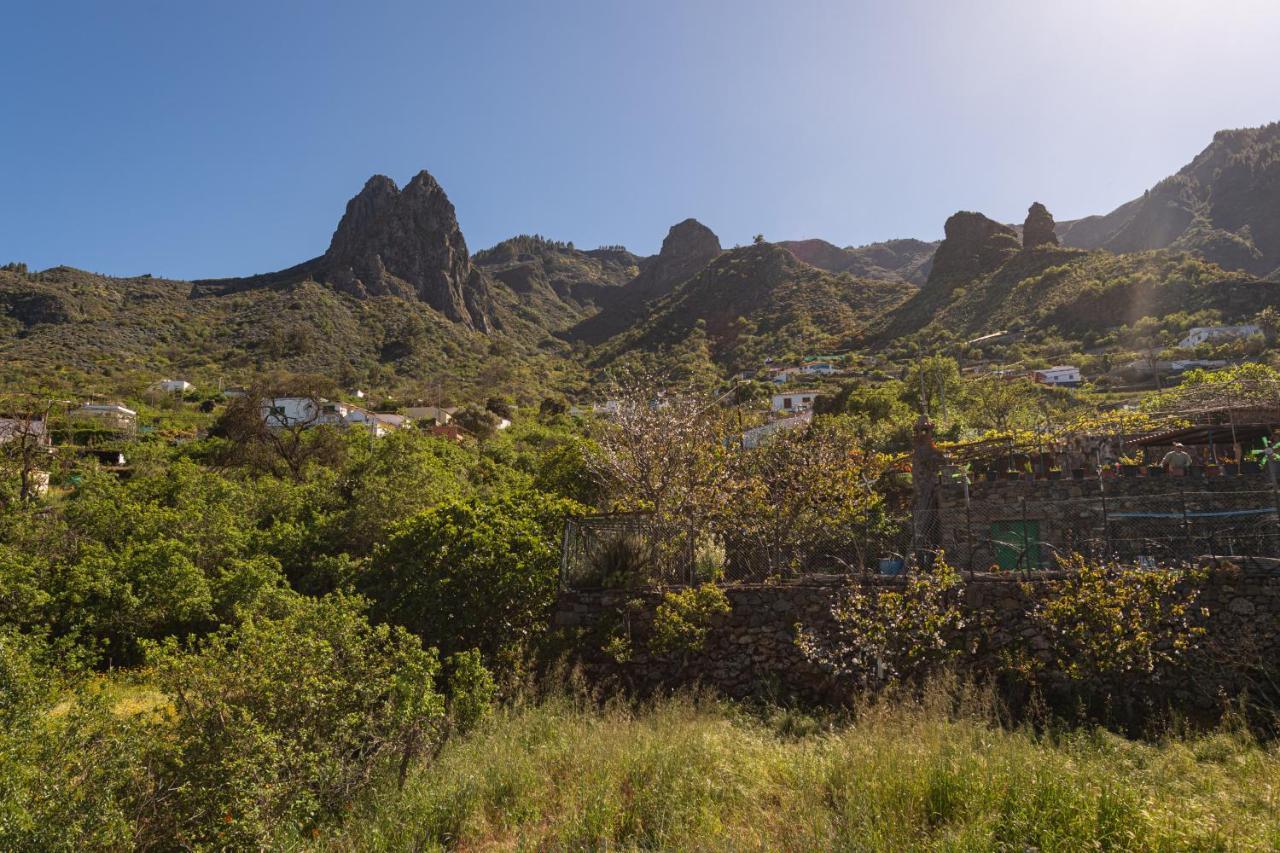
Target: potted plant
[[1213, 469], [1231, 468], [1107, 472], [1129, 466], [1054, 474], [1155, 471]]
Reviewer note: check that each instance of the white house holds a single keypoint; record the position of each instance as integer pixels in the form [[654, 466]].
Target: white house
[[818, 368], [1214, 334], [110, 415], [794, 401], [1063, 374], [281, 412], [756, 436], [173, 386]]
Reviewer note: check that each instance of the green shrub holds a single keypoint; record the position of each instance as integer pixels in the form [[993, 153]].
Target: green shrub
[[282, 719], [683, 619], [473, 574]]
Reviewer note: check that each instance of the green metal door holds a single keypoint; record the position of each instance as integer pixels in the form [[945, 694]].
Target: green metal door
[[1016, 544]]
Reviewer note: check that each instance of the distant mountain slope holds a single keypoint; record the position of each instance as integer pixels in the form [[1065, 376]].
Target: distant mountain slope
[[760, 301], [552, 284], [1223, 205], [688, 247], [983, 280], [891, 260]]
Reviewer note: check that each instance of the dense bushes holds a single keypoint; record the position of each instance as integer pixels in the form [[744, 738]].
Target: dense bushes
[[261, 730], [477, 573]]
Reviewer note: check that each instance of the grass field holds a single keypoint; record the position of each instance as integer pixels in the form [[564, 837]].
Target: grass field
[[687, 773]]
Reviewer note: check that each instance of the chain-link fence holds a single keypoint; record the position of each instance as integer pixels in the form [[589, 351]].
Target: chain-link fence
[[1019, 533], [1175, 526]]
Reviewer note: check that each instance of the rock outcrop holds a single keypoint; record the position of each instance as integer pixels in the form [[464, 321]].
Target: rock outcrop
[[974, 246], [687, 249], [1038, 229], [407, 243]]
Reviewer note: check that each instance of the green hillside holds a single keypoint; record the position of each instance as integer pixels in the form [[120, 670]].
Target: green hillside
[[760, 301]]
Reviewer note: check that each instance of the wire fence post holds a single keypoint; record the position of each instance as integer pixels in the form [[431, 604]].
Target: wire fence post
[[1187, 523], [1025, 557], [1106, 520], [1275, 499]]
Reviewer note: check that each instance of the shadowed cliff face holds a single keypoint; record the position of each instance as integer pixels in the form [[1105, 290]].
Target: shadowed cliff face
[[687, 249], [1223, 205], [406, 243], [1037, 230], [974, 245]]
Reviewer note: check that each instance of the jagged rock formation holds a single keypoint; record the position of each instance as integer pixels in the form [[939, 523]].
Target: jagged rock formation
[[892, 260], [406, 243], [392, 242], [1224, 205], [1037, 230], [973, 246], [688, 247]]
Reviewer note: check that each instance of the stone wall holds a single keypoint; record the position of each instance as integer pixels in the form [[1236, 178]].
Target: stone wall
[[1164, 517], [752, 651]]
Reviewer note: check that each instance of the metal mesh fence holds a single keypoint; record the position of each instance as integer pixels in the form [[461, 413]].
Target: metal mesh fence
[[1022, 533]]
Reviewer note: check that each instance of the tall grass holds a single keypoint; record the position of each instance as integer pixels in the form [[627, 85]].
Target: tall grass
[[694, 773]]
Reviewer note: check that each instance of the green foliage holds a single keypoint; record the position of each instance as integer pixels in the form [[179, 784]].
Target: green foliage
[[472, 573], [886, 634], [280, 720], [471, 691], [1112, 630], [683, 619], [679, 774]]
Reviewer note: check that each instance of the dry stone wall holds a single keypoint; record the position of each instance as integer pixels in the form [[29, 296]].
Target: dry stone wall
[[751, 651]]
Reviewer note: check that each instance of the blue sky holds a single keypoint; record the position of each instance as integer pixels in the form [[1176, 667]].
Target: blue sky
[[211, 139]]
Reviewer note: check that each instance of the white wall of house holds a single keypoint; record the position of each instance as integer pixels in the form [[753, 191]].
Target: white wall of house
[[1064, 374], [1207, 334], [793, 401], [111, 415]]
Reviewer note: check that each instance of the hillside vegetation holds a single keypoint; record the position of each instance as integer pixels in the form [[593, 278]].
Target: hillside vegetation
[[687, 774], [760, 301]]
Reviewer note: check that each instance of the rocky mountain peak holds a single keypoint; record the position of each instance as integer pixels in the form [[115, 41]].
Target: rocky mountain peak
[[406, 243], [1038, 229], [688, 247], [974, 246]]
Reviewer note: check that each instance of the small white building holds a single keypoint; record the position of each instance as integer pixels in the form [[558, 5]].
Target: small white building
[[1216, 334], [818, 368], [110, 415], [794, 401], [1064, 374], [173, 386], [305, 412]]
